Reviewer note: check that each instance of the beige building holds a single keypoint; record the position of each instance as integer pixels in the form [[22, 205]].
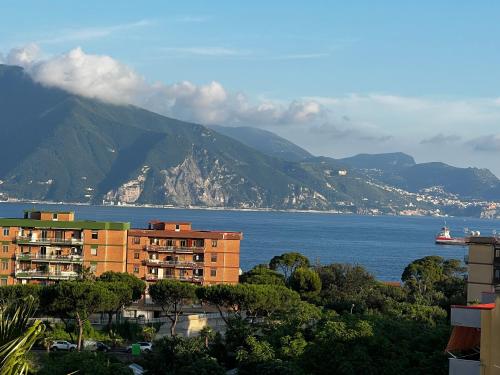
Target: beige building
[[483, 263]]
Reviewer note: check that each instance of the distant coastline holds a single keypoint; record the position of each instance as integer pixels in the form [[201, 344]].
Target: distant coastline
[[129, 205]]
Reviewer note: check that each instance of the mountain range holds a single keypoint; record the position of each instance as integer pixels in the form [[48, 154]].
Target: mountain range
[[62, 147]]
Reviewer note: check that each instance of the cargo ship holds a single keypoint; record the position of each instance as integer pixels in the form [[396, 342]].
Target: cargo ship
[[444, 238]]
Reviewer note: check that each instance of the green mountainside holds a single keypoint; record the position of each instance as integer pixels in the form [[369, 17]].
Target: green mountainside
[[62, 147], [264, 141]]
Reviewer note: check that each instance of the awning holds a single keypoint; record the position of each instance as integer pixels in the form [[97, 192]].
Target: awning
[[464, 339]]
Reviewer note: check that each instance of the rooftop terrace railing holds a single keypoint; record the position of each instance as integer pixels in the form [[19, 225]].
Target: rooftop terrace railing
[[49, 241], [49, 257]]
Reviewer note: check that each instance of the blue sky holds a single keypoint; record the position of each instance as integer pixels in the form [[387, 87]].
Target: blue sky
[[389, 75]]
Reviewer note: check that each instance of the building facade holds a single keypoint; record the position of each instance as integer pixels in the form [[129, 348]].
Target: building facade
[[44, 247], [474, 345], [173, 250], [483, 264]]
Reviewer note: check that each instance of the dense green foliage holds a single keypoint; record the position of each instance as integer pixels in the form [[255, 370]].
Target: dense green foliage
[[328, 319], [262, 274], [18, 334], [82, 363]]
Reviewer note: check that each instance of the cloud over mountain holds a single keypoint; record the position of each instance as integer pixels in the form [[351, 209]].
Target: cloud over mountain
[[102, 77]]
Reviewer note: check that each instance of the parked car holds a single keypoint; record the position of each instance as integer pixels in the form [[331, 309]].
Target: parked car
[[146, 347], [62, 345], [102, 347]]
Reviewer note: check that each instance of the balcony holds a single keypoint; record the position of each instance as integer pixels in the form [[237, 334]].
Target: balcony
[[57, 275], [465, 317], [464, 367], [174, 249], [23, 240], [172, 263], [189, 278], [50, 258]]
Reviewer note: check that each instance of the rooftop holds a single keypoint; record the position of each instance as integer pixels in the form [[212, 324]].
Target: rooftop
[[480, 306], [199, 234]]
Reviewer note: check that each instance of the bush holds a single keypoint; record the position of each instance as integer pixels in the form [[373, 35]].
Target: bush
[[82, 363]]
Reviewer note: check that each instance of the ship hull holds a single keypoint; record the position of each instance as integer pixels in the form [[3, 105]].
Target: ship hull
[[451, 241]]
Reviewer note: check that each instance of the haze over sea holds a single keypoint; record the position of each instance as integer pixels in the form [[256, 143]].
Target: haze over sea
[[383, 244]]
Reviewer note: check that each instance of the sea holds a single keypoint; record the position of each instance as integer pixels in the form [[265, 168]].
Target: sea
[[385, 245]]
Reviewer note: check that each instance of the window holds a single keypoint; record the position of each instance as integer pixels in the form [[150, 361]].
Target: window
[[214, 243], [136, 268], [136, 255], [137, 240], [183, 243], [177, 227], [93, 267], [5, 265], [54, 216], [95, 235], [5, 248], [93, 250], [213, 258], [6, 231], [496, 275], [170, 242], [497, 252], [213, 272]]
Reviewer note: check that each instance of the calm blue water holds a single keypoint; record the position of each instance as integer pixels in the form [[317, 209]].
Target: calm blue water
[[383, 244]]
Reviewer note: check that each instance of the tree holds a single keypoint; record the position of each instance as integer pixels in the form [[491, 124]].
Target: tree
[[76, 300], [17, 335], [287, 263], [262, 274], [434, 279], [172, 296], [185, 356], [86, 274], [346, 287], [306, 282], [19, 291], [249, 300], [148, 332], [137, 285], [122, 293]]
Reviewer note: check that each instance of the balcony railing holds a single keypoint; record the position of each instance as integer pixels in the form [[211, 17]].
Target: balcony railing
[[49, 241], [464, 367], [190, 278], [49, 258], [174, 249], [172, 263], [57, 275]]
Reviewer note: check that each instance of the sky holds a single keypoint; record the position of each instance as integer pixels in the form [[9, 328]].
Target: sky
[[337, 78]]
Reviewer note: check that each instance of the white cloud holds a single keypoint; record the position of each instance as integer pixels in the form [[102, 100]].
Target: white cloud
[[89, 75], [332, 126], [87, 33], [205, 51], [102, 77], [486, 143], [23, 56]]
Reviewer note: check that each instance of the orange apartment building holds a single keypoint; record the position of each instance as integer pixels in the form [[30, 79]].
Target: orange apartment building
[[44, 247], [173, 250]]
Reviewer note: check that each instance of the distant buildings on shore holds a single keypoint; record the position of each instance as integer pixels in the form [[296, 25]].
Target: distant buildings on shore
[[45, 247]]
